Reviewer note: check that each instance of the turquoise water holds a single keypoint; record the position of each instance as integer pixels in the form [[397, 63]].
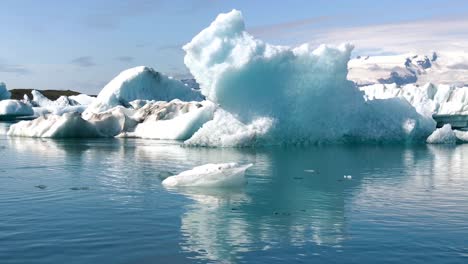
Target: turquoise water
[[101, 201]]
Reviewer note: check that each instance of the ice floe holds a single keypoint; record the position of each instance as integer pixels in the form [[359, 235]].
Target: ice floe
[[210, 175]]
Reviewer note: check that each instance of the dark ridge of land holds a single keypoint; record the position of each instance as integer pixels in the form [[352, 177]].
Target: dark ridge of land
[[51, 94]]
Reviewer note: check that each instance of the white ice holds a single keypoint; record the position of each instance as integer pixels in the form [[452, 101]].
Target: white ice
[[210, 175], [15, 108], [142, 83]]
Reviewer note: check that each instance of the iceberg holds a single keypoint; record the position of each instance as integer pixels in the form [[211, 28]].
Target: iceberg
[[443, 135], [142, 83], [4, 93], [68, 125], [158, 120], [15, 108], [304, 92], [210, 175]]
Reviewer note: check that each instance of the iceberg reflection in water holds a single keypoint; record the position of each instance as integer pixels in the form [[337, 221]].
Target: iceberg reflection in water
[[106, 194]]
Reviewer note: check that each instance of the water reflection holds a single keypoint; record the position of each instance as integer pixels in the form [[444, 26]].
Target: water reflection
[[296, 201]]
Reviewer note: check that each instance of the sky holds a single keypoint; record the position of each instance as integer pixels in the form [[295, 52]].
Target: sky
[[82, 45]]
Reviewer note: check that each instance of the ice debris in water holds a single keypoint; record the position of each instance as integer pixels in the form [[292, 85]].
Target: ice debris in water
[[304, 92], [348, 177], [210, 175]]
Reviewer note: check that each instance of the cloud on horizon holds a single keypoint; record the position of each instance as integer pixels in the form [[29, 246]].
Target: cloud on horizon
[[84, 61], [126, 59]]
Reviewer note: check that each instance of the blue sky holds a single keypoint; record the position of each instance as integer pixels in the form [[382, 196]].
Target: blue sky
[[81, 45]]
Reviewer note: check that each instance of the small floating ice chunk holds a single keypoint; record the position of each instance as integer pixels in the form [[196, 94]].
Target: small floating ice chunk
[[348, 177], [443, 135], [210, 175], [309, 171]]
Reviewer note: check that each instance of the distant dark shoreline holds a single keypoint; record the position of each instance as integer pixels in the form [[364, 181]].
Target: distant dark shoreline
[[51, 94]]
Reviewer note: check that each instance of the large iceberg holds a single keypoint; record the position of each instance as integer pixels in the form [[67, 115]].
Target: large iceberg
[[4, 93], [142, 83], [304, 91]]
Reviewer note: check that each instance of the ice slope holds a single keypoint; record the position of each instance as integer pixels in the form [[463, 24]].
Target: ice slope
[[427, 99], [210, 175], [141, 83], [175, 120], [14, 108], [304, 91], [4, 93], [441, 67], [443, 135]]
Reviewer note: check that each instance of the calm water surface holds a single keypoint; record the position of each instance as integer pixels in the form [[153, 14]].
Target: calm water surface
[[101, 201]]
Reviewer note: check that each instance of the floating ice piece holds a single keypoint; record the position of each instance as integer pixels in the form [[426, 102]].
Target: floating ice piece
[[309, 171], [349, 177], [141, 83], [15, 108], [4, 93], [443, 135], [210, 175]]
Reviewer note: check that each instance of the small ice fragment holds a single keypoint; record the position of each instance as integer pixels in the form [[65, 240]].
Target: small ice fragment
[[210, 175], [349, 177], [310, 171]]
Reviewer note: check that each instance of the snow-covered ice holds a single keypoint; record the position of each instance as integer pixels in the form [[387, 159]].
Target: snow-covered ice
[[142, 83], [427, 99], [4, 93], [15, 108], [82, 99], [210, 175], [440, 67]]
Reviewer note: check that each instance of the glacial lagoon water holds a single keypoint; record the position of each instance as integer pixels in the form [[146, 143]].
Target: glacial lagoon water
[[101, 201]]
